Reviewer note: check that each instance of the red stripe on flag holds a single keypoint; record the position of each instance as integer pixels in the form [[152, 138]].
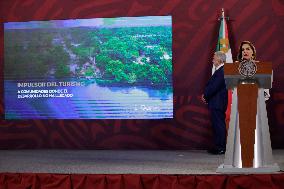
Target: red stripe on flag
[[228, 111]]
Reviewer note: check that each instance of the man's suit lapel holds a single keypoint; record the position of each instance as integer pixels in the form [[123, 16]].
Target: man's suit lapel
[[214, 75]]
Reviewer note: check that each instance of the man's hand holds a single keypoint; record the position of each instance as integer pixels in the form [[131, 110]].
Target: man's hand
[[203, 99], [266, 94]]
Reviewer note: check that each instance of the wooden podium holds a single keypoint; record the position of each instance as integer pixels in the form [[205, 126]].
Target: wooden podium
[[248, 147]]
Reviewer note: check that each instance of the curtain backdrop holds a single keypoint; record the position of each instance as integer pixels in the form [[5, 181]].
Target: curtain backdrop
[[195, 30]]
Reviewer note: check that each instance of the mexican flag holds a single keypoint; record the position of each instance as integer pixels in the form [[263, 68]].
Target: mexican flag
[[223, 40], [224, 45]]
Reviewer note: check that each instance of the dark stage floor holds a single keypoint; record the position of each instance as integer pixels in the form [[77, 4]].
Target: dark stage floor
[[114, 161]]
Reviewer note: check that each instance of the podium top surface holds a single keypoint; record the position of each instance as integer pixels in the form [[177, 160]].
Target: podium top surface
[[262, 68]]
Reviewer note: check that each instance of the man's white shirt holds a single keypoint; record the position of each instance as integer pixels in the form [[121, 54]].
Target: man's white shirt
[[216, 68]]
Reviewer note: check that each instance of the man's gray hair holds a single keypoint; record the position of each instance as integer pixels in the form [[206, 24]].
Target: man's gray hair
[[221, 55]]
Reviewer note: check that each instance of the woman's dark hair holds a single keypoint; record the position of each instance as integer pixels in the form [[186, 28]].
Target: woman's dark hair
[[240, 55]]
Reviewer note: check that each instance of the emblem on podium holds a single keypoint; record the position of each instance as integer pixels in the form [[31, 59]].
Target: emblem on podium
[[247, 68]]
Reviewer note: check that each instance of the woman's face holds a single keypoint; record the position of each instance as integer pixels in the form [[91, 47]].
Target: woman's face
[[247, 52]]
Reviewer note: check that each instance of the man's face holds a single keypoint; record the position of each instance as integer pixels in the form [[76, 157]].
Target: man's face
[[216, 60]]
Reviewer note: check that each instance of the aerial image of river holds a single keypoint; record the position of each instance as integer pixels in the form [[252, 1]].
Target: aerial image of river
[[122, 67]]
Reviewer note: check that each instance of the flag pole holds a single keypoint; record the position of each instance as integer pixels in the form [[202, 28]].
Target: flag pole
[[223, 15], [224, 46]]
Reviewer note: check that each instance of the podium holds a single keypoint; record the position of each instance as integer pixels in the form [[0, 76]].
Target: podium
[[248, 148]]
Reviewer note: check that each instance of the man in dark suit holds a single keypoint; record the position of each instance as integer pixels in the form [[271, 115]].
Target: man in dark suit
[[216, 96]]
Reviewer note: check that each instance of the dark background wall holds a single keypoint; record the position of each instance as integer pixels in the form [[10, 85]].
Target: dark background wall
[[195, 32]]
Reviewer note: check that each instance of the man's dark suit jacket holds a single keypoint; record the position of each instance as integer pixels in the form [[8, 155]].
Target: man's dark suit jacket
[[215, 93]]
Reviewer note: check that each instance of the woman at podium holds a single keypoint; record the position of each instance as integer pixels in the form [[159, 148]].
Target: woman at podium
[[248, 146], [247, 52]]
